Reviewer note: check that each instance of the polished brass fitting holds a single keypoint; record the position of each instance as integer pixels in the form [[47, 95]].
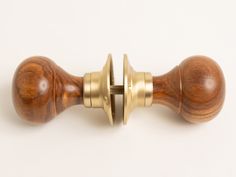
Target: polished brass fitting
[[97, 92], [138, 89], [100, 91]]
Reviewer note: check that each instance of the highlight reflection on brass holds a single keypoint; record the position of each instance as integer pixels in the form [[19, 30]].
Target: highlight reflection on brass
[[99, 89]]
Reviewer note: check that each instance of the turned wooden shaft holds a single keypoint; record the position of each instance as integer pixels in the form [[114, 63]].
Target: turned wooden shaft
[[41, 90], [195, 89]]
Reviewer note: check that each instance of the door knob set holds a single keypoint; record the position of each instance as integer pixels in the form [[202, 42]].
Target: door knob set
[[195, 89]]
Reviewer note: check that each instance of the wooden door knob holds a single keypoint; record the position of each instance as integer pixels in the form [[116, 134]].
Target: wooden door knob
[[42, 90], [195, 89]]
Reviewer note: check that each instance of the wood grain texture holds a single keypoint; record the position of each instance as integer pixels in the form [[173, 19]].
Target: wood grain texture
[[41, 90], [195, 89]]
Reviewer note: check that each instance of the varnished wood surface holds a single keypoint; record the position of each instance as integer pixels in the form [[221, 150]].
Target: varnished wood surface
[[195, 89], [41, 90]]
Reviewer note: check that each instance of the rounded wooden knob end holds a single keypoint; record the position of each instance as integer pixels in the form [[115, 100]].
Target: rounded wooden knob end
[[195, 89], [203, 89], [41, 90]]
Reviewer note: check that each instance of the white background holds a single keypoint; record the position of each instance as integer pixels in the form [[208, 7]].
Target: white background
[[156, 35]]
